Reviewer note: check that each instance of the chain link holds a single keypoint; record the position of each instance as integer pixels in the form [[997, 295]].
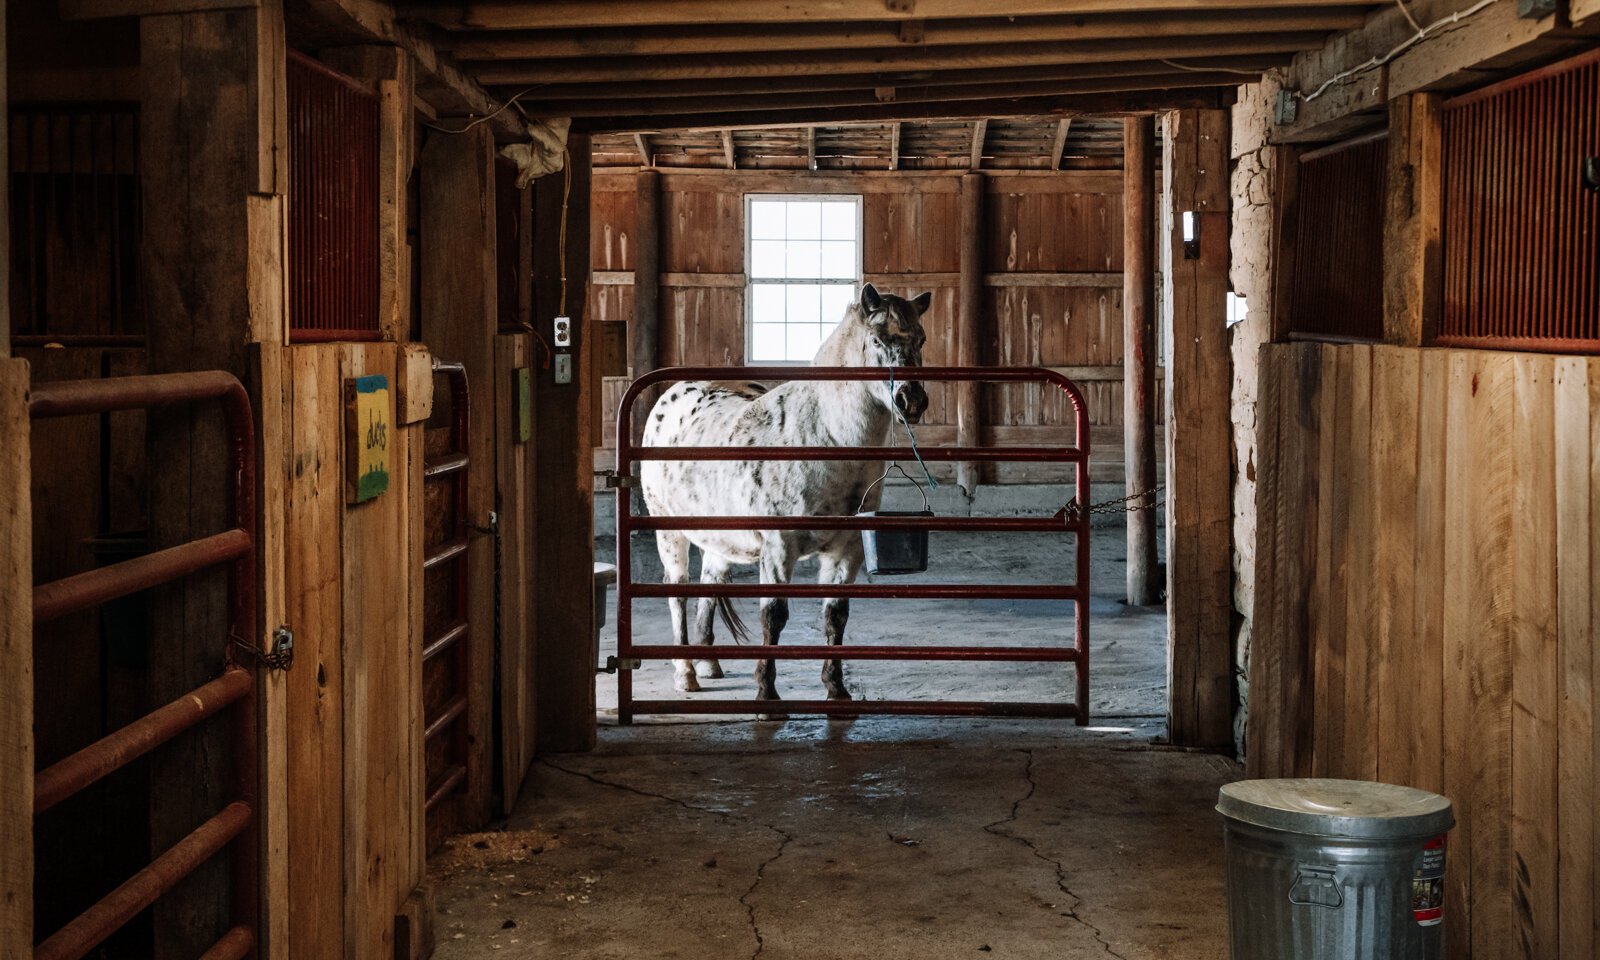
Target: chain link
[[1072, 513]]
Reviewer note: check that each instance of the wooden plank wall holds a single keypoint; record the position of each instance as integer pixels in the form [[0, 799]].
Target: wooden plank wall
[[16, 648], [1426, 608], [1036, 228], [353, 579]]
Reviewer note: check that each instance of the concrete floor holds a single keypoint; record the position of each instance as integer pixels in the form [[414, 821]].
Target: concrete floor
[[878, 839], [881, 838]]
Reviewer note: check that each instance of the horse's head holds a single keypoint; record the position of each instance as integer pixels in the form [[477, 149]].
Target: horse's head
[[894, 338]]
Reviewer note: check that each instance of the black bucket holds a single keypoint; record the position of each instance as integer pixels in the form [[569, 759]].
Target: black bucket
[[890, 552], [895, 551]]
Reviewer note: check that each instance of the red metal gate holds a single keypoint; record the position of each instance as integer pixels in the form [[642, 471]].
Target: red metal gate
[[446, 760], [235, 688], [629, 652]]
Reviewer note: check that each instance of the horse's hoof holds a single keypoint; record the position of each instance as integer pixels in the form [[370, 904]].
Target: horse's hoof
[[771, 717], [710, 669], [686, 683], [839, 694]]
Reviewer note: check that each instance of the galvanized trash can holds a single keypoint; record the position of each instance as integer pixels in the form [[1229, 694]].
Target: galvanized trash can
[[887, 552], [1334, 870]]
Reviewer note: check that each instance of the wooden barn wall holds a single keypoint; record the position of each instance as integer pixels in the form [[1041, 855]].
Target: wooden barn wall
[[1427, 600], [1038, 230]]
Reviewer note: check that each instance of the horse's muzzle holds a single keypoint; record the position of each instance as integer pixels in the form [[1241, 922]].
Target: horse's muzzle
[[912, 401]]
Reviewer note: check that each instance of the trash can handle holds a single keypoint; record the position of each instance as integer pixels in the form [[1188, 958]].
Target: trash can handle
[[1316, 886]]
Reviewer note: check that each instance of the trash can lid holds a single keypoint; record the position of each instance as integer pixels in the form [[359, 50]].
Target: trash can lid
[[1354, 809]]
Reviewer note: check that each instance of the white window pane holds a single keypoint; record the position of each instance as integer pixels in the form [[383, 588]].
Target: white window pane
[[803, 340], [805, 220], [835, 298], [766, 219], [804, 259], [839, 220], [766, 342], [804, 303], [767, 258], [838, 259], [766, 302]]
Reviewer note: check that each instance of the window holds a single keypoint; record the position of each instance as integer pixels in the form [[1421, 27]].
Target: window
[[803, 260]]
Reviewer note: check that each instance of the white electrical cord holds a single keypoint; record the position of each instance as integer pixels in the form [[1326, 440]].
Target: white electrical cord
[[1416, 38]]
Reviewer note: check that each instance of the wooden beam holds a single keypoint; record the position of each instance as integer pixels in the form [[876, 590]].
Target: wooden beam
[[967, 398], [1199, 378], [1082, 280], [1059, 148], [564, 498], [980, 128], [557, 14], [1073, 105], [16, 647], [1413, 231], [882, 79], [811, 148], [613, 69], [644, 339], [728, 155], [741, 103], [643, 143], [439, 79], [882, 34], [1139, 354], [894, 146]]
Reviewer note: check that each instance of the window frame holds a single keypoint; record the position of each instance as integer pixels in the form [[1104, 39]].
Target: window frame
[[750, 281]]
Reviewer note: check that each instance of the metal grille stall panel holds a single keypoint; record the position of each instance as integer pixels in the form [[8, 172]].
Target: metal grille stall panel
[[629, 653], [1336, 291], [333, 205], [234, 689], [1521, 260]]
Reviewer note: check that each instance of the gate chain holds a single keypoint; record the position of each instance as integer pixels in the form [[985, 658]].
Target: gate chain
[[1072, 513]]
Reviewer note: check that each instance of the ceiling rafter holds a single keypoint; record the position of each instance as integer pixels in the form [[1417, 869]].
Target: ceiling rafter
[[980, 128], [643, 143], [1059, 148], [728, 155], [894, 146]]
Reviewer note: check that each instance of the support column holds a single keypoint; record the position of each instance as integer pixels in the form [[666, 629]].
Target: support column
[[1138, 352], [213, 155], [564, 528], [644, 338], [1199, 375], [969, 320], [1413, 224]]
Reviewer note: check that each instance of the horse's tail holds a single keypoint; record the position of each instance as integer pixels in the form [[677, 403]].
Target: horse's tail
[[731, 620]]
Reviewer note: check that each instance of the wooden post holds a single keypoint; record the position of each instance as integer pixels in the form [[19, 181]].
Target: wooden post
[[459, 320], [1199, 449], [212, 149], [1413, 221], [16, 651], [564, 497], [1138, 353], [969, 320], [644, 344]]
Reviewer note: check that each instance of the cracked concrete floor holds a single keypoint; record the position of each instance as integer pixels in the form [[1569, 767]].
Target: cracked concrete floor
[[877, 839]]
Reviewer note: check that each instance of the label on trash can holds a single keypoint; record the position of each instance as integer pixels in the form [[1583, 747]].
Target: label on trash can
[[1427, 884]]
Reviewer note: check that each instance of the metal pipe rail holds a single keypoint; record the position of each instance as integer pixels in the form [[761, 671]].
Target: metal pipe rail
[[630, 653], [236, 826], [454, 467]]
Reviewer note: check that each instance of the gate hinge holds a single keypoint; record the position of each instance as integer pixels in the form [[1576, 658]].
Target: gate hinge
[[615, 480], [613, 664]]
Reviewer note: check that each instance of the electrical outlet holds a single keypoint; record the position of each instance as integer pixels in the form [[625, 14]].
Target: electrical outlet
[[563, 331], [563, 368]]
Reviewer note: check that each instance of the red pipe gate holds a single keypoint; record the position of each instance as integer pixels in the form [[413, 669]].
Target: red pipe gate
[[234, 688], [629, 653]]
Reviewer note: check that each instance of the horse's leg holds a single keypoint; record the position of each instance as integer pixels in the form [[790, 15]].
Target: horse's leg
[[836, 613], [713, 569], [674, 550], [777, 564]]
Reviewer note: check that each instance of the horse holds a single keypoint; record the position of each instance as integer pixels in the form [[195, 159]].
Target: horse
[[877, 330]]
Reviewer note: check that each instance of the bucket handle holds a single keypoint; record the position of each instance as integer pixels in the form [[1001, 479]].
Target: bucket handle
[[894, 465], [1316, 886]]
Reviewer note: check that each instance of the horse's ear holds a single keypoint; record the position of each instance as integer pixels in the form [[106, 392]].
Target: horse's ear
[[922, 302], [871, 299]]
